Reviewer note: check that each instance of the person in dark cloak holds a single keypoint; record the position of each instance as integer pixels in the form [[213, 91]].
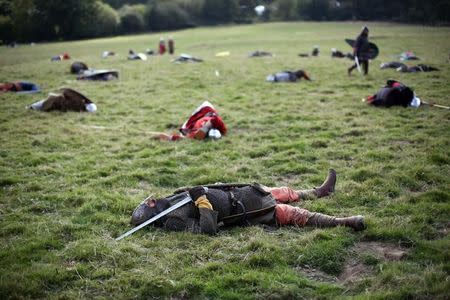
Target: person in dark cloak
[[171, 45], [361, 50], [66, 100], [78, 67], [230, 205], [392, 94]]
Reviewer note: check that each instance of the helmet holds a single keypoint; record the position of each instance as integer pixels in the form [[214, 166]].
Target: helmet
[[148, 209]]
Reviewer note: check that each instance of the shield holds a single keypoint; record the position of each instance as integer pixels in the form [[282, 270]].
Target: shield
[[373, 49]]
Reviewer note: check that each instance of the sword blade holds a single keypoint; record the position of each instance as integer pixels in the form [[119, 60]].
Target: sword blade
[[187, 199], [357, 64]]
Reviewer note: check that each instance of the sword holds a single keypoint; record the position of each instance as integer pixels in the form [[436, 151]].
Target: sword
[[186, 200], [357, 64], [436, 105]]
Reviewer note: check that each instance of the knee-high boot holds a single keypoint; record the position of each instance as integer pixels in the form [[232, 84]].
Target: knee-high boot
[[321, 220], [324, 190]]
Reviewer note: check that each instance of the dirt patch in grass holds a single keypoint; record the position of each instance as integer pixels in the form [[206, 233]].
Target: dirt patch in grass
[[359, 266], [354, 271], [316, 275], [443, 230], [382, 251]]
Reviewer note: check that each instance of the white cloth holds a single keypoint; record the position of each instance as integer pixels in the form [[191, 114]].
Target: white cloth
[[91, 107], [415, 101], [214, 133]]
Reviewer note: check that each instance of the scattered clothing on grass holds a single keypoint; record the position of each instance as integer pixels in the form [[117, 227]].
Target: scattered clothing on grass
[[394, 94], [106, 54], [241, 205], [223, 54], [20, 87], [339, 54], [65, 100], [288, 76], [98, 75], [416, 69], [64, 56], [258, 53], [186, 58], [392, 65], [401, 67], [136, 56], [408, 55], [78, 67]]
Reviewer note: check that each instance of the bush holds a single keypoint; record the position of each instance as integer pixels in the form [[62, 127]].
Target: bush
[[6, 30], [107, 19], [132, 18], [192, 7], [285, 10], [103, 20], [168, 15], [317, 10], [218, 11]]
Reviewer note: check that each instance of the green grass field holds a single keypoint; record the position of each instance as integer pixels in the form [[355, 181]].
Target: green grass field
[[70, 181]]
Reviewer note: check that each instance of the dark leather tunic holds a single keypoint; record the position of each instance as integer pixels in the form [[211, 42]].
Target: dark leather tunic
[[68, 100]]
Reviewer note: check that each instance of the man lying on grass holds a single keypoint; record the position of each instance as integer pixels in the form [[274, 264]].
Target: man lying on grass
[[288, 76], [203, 123], [394, 93], [240, 204], [66, 100]]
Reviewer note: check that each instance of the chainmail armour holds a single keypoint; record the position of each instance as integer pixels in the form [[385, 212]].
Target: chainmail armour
[[224, 203]]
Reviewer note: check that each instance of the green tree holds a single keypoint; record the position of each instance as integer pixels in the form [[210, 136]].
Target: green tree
[[219, 11], [106, 19], [167, 15], [193, 8], [285, 10], [132, 17]]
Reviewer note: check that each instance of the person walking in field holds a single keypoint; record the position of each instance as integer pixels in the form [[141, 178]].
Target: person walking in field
[[207, 208], [361, 52], [162, 46], [171, 44]]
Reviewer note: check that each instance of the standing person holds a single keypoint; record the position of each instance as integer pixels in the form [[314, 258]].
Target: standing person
[[171, 45], [162, 46], [361, 50]]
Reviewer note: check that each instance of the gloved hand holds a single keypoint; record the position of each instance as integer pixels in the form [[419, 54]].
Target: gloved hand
[[196, 192], [198, 196]]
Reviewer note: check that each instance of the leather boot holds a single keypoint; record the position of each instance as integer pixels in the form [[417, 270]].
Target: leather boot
[[321, 220], [324, 190]]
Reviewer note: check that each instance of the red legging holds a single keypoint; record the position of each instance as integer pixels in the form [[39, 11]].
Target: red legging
[[287, 214], [284, 194]]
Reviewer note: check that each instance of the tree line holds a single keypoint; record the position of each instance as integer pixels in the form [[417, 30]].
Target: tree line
[[46, 20]]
